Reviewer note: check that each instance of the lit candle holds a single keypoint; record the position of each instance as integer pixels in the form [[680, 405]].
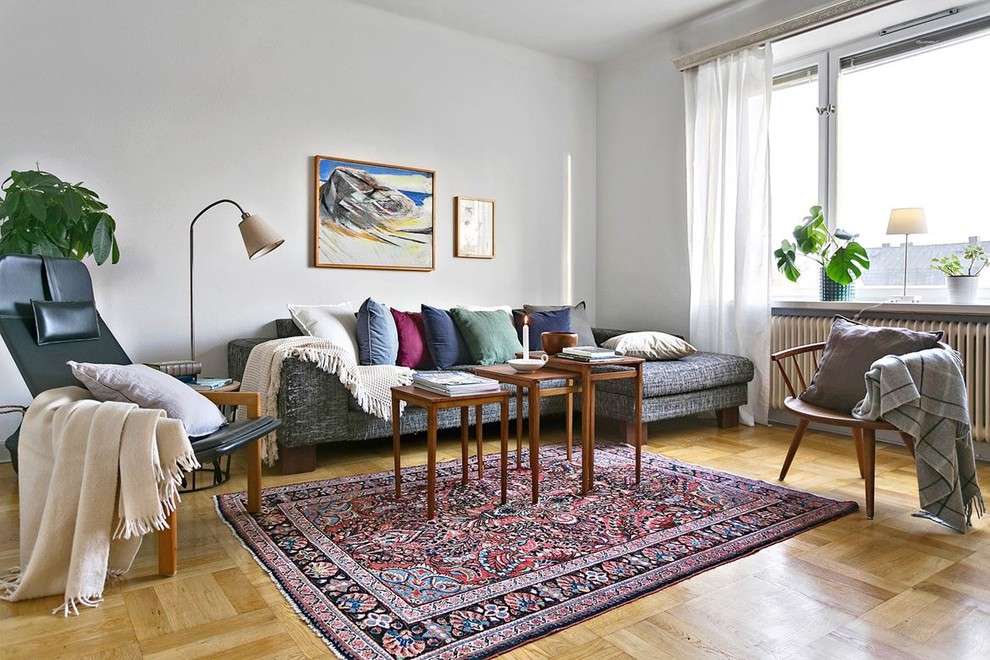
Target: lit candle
[[526, 337]]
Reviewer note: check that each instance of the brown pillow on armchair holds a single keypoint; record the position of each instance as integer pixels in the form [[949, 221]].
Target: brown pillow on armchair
[[850, 349]]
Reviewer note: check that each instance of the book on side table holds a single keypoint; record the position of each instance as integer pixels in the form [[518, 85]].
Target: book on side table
[[588, 353], [210, 383], [452, 383]]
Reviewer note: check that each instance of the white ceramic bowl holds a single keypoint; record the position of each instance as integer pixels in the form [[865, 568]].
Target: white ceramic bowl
[[526, 365]]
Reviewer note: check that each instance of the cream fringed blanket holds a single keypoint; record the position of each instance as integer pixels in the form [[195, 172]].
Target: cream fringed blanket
[[78, 520], [371, 386]]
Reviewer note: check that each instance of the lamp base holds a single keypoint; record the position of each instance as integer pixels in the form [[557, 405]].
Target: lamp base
[[903, 299]]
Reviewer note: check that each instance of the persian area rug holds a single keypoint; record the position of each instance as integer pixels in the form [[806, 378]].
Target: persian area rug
[[376, 580]]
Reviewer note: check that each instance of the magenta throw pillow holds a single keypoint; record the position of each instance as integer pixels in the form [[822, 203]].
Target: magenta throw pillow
[[413, 352]]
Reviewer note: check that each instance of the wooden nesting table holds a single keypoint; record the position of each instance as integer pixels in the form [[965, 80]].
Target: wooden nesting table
[[532, 382], [432, 403], [591, 373]]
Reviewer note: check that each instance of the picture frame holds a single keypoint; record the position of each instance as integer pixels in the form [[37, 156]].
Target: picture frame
[[474, 228], [373, 215]]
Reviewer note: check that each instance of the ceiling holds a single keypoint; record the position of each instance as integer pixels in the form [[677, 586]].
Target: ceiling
[[588, 30]]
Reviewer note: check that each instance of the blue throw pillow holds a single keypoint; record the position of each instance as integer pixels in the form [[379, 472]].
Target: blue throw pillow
[[443, 339], [558, 320], [377, 337]]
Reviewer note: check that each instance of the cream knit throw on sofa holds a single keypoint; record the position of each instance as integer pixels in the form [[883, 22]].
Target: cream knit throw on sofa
[[78, 520], [371, 386]]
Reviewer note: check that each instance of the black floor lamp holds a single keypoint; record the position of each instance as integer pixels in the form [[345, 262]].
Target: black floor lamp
[[259, 239]]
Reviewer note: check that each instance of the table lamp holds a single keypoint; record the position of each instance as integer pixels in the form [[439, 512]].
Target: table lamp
[[259, 239], [906, 221]]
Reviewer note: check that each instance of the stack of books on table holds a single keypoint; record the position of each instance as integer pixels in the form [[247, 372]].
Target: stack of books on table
[[453, 383], [588, 354], [210, 383], [184, 370]]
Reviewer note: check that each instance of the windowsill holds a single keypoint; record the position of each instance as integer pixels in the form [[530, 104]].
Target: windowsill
[[782, 307]]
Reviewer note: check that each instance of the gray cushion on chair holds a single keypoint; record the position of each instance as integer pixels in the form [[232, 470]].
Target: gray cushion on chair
[[850, 349], [150, 388]]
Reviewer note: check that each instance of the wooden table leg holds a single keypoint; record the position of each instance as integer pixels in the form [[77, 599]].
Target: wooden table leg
[[464, 445], [869, 467], [587, 405], [569, 419], [396, 451], [639, 420], [591, 438], [254, 477], [478, 440], [534, 440], [519, 427], [505, 447], [431, 460]]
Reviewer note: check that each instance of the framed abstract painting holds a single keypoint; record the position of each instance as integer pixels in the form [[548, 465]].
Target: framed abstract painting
[[372, 215], [474, 228]]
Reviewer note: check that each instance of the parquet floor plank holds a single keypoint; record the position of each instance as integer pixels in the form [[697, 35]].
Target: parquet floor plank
[[897, 586]]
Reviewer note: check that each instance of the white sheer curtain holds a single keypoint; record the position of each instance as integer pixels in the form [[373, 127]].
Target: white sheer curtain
[[728, 176]]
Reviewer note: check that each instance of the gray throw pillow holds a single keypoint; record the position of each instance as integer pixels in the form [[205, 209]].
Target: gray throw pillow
[[150, 388], [849, 351], [579, 320]]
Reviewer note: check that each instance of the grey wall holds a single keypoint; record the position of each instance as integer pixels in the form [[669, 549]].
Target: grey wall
[[164, 107]]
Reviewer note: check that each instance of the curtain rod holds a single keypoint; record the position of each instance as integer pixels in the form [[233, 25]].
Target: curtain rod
[[790, 27]]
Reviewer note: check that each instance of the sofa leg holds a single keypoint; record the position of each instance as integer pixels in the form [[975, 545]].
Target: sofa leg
[[294, 460], [627, 430], [726, 418]]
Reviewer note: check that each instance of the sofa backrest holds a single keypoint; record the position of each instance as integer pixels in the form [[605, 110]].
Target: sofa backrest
[[286, 328]]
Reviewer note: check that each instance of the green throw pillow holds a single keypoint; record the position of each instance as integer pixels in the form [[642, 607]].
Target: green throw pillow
[[489, 336]]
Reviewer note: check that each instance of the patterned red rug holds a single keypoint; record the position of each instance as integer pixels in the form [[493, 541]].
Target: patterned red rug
[[374, 579]]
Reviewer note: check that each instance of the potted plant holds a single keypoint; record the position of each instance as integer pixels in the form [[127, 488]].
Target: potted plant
[[841, 258], [41, 214], [962, 280]]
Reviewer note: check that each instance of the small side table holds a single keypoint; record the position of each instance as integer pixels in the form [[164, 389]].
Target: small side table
[[532, 381], [589, 376], [432, 403], [221, 465]]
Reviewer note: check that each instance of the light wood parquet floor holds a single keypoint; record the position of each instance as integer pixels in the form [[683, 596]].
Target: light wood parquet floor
[[893, 587]]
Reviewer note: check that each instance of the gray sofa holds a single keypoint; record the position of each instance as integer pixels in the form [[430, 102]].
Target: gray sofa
[[315, 407]]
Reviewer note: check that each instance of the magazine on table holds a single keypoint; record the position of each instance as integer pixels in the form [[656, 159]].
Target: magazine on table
[[454, 382], [589, 352]]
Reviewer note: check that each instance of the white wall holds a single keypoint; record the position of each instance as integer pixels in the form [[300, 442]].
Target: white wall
[[164, 107], [642, 196]]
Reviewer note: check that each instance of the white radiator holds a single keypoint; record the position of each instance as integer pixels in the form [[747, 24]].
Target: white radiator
[[971, 339]]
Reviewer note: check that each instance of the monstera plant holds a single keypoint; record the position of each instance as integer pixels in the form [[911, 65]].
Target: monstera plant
[[41, 214], [842, 259]]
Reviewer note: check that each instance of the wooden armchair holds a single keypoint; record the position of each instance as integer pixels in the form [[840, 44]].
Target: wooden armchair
[[792, 363]]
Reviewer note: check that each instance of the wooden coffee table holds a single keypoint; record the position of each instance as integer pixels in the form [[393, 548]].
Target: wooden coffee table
[[432, 403], [591, 373], [532, 382]]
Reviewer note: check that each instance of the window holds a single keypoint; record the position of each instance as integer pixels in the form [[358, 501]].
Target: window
[[894, 121]]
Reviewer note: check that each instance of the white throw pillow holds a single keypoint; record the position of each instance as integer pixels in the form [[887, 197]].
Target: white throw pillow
[[334, 322], [491, 308], [150, 388], [650, 345]]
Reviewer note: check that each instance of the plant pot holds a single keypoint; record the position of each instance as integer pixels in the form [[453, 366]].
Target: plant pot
[[962, 288], [831, 290]]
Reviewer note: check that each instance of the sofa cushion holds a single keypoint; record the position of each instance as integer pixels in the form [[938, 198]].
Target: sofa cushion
[[851, 347], [579, 320], [489, 336], [650, 345], [333, 322], [443, 339], [412, 341], [696, 372], [558, 320], [377, 336]]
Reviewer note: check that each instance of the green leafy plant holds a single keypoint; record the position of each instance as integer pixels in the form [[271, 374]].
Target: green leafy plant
[[837, 252], [953, 267], [41, 214]]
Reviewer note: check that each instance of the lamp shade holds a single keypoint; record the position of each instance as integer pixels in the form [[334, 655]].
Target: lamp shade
[[259, 238], [907, 221]]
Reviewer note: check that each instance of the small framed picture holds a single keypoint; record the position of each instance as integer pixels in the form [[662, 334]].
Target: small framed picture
[[474, 228]]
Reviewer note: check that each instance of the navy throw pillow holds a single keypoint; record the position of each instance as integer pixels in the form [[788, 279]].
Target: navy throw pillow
[[558, 320], [377, 337], [443, 339]]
